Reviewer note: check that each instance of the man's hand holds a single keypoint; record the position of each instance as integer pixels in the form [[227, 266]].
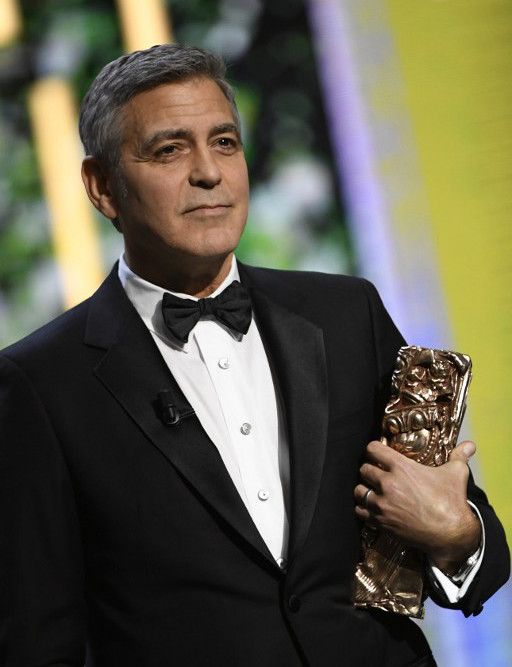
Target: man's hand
[[426, 507]]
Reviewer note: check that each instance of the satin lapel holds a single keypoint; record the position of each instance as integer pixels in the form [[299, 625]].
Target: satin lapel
[[295, 347], [134, 373]]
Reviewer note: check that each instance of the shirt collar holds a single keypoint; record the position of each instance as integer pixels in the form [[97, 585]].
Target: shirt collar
[[147, 298]]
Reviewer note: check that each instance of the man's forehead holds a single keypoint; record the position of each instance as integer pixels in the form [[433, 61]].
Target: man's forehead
[[188, 102]]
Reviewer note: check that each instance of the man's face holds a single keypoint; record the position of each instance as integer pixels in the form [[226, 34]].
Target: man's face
[[183, 189]]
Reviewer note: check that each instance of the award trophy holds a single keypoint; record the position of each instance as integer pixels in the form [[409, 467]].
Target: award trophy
[[421, 421]]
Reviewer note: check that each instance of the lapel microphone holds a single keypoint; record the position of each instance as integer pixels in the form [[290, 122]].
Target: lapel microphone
[[169, 412]]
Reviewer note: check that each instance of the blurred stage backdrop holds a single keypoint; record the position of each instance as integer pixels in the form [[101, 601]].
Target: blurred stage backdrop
[[379, 141]]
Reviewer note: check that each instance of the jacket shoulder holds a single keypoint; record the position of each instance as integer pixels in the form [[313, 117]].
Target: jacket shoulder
[[298, 288], [50, 338], [67, 331], [301, 278]]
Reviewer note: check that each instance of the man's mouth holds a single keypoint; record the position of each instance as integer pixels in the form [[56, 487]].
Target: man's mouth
[[208, 208]]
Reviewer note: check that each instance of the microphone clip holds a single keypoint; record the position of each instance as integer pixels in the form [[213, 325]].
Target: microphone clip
[[168, 411]]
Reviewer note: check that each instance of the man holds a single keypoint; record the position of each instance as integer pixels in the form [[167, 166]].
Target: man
[[179, 461]]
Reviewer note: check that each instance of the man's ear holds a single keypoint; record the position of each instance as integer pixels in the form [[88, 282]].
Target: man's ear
[[97, 183]]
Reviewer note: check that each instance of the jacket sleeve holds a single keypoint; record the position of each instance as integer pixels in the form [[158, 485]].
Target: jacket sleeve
[[494, 570], [42, 605], [495, 567]]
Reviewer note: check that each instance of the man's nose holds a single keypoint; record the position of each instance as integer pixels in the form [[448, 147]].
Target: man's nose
[[204, 171]]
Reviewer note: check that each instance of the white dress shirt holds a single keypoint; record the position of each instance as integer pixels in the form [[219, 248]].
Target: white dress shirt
[[227, 380]]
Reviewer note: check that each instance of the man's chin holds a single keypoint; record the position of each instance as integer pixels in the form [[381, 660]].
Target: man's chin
[[211, 255], [217, 244]]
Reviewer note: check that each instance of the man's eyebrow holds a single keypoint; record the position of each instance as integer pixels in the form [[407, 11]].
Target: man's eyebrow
[[224, 128], [161, 135]]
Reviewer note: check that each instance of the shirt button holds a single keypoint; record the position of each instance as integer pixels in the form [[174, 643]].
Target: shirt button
[[294, 603], [223, 363], [245, 428], [263, 494], [281, 562]]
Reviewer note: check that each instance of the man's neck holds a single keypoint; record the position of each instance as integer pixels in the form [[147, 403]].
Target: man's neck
[[199, 278]]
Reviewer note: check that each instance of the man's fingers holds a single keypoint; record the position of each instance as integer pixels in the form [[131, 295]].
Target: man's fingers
[[362, 496], [463, 451], [380, 454], [365, 508], [364, 515], [371, 474]]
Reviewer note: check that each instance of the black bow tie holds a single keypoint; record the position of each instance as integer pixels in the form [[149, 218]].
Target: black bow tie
[[232, 307]]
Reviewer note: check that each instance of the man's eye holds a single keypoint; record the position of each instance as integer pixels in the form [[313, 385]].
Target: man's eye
[[169, 149], [227, 142]]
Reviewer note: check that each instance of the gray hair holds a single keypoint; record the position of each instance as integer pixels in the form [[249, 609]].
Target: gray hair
[[128, 75]]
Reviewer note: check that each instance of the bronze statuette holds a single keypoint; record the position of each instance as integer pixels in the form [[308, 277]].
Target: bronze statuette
[[422, 421]]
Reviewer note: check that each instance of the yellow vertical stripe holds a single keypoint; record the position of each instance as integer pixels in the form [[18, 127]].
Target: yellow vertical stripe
[[144, 24], [10, 21], [456, 59], [77, 252]]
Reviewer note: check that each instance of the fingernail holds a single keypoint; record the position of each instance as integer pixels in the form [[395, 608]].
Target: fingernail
[[469, 448]]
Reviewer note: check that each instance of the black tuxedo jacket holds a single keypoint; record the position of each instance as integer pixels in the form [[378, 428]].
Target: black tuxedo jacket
[[127, 535]]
